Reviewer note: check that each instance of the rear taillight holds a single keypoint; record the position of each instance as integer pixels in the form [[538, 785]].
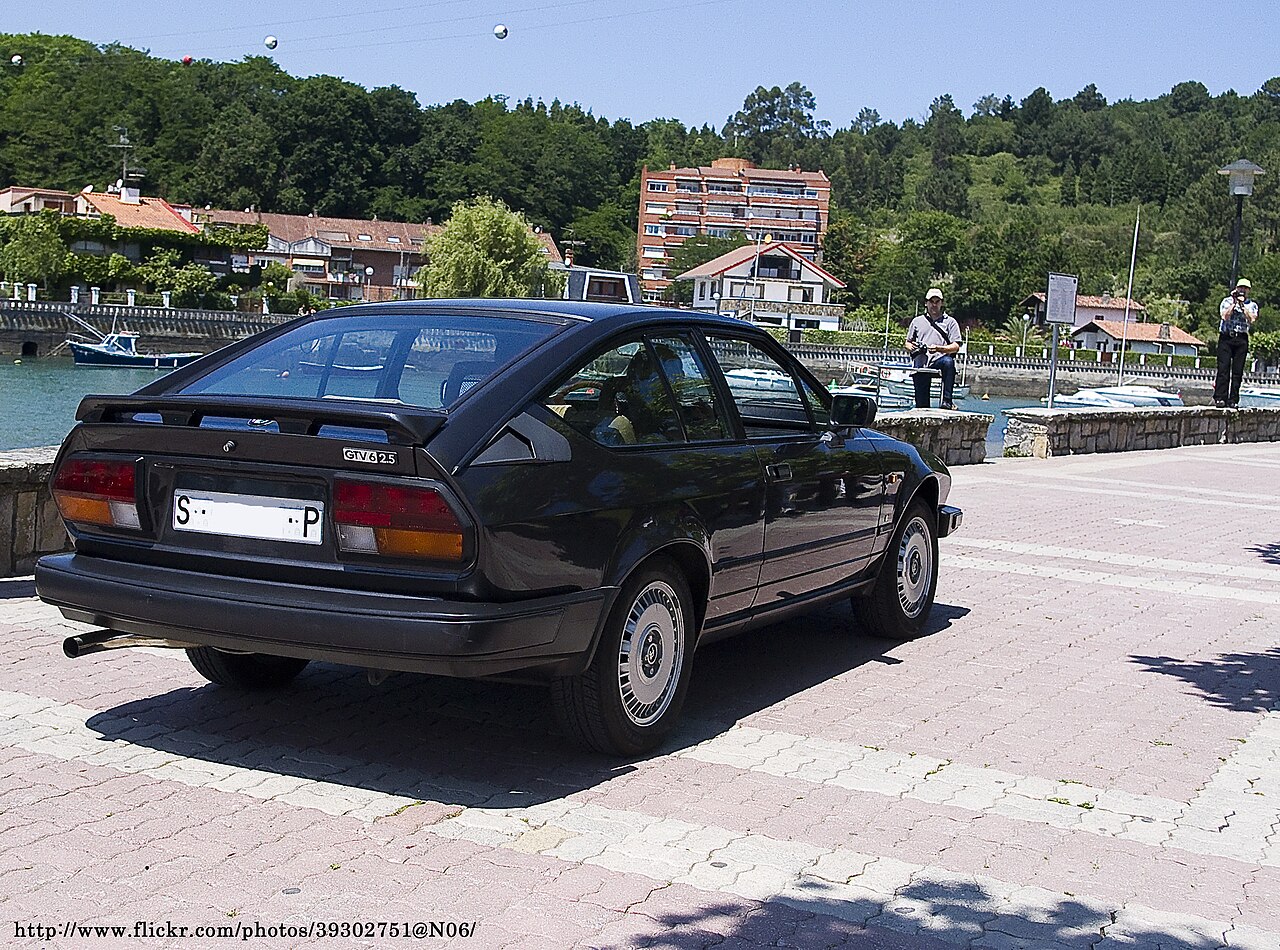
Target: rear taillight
[[94, 491], [396, 521]]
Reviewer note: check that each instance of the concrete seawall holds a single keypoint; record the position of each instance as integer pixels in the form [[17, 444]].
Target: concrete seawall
[[36, 329], [1046, 433], [29, 522]]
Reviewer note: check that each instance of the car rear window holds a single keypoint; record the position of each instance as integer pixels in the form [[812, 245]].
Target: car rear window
[[422, 360]]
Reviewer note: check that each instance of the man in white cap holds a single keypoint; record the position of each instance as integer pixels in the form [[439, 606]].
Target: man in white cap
[[1238, 314], [933, 339]]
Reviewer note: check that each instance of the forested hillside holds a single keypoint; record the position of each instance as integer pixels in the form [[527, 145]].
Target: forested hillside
[[984, 199]]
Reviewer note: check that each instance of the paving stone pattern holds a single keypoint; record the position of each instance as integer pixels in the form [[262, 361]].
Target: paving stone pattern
[[1083, 752]]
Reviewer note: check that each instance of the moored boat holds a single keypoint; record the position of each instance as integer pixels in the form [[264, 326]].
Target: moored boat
[[1120, 397], [121, 349]]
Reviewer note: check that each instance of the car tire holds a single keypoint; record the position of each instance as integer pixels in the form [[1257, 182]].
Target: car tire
[[899, 603], [630, 696], [244, 670]]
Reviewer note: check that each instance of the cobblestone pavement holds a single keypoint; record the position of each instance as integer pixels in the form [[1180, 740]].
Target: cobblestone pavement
[[1084, 752]]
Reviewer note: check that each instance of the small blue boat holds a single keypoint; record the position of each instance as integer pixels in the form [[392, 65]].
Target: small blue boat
[[121, 349]]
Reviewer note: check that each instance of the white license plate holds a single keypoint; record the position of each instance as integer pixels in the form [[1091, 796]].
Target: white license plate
[[248, 516]]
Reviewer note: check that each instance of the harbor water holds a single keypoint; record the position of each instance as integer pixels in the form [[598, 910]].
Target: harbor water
[[38, 400]]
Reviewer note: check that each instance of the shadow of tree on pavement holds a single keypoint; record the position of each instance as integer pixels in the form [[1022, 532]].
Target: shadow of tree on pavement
[[1244, 682], [1268, 552], [934, 910]]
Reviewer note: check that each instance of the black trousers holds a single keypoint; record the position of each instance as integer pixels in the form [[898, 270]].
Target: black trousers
[[1232, 349]]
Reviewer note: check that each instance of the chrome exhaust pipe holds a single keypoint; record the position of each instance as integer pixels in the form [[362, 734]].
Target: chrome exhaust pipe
[[99, 640]]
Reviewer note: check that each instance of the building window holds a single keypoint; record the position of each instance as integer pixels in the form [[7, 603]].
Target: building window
[[652, 207], [651, 251], [657, 186], [800, 294], [656, 229], [393, 239], [685, 230], [364, 237]]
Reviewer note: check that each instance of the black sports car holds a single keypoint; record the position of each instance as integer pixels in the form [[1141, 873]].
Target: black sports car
[[581, 493]]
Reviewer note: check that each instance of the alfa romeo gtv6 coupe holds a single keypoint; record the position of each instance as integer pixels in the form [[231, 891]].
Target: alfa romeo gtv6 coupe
[[579, 493]]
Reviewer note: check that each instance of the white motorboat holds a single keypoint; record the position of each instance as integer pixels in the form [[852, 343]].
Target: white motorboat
[[1120, 397], [896, 378], [1260, 392]]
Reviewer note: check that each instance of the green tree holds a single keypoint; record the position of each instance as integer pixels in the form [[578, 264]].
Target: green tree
[[773, 124], [486, 250], [33, 251]]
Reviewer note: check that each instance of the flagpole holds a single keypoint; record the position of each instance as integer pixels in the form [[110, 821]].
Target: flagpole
[[1128, 297]]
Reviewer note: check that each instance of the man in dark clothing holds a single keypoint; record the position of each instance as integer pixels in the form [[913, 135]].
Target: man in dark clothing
[[1238, 314], [933, 339]]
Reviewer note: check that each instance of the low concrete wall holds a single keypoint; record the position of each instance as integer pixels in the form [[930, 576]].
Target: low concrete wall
[[1045, 433], [958, 438], [29, 521]]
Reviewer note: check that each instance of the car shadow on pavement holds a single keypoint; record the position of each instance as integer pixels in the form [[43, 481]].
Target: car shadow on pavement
[[472, 742], [1243, 682], [14, 588]]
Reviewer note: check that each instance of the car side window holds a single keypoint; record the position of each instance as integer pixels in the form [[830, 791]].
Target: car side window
[[700, 410], [619, 398], [763, 390]]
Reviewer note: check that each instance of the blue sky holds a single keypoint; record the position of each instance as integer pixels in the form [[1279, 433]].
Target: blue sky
[[695, 60]]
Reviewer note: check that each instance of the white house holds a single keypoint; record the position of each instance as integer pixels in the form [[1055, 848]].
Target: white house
[[1106, 336], [772, 284]]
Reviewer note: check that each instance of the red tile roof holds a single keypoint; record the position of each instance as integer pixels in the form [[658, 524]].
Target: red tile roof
[[1087, 302], [147, 213], [740, 255], [1142, 332], [345, 232]]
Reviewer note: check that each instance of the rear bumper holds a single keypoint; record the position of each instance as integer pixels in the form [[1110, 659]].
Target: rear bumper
[[949, 520], [384, 631]]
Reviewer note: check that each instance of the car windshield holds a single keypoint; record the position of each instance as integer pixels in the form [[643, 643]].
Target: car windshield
[[422, 360]]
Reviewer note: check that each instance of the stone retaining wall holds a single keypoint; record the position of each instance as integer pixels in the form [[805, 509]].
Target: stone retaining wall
[[29, 521], [958, 438], [1045, 433]]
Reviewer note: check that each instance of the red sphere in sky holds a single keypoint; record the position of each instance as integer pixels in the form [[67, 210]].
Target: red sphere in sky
[[186, 61]]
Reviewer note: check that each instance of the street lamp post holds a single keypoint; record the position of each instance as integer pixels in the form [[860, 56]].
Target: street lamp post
[[761, 240], [1240, 175], [1026, 325], [368, 277]]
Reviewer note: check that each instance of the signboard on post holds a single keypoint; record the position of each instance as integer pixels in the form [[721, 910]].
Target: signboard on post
[[1060, 302], [1059, 310]]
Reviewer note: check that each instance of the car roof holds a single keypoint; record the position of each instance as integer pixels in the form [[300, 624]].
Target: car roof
[[574, 310]]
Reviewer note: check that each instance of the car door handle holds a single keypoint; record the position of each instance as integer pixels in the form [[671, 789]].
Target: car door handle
[[779, 472]]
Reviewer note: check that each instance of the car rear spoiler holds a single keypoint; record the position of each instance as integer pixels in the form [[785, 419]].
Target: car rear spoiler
[[403, 425]]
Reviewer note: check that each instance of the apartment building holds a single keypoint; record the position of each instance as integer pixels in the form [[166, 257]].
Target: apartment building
[[729, 197]]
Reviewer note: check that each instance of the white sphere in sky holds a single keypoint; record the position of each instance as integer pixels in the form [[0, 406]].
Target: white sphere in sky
[[271, 42], [500, 31]]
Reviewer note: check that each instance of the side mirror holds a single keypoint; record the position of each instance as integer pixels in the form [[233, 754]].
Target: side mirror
[[848, 410]]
